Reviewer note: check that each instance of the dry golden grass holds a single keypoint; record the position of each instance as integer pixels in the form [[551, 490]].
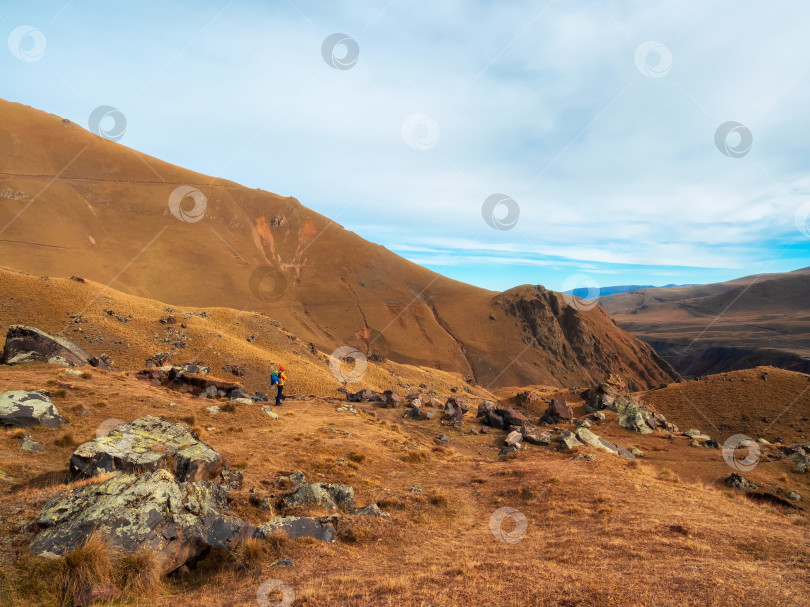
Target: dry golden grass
[[598, 533]]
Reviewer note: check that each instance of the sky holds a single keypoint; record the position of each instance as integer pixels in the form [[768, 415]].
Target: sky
[[565, 143]]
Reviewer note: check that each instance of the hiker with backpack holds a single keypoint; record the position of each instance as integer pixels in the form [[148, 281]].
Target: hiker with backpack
[[277, 378]]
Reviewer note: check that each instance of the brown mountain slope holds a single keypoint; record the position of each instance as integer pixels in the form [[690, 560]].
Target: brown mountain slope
[[756, 320], [75, 203]]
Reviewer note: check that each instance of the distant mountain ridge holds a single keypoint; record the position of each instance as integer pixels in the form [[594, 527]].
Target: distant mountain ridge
[[585, 293], [756, 320]]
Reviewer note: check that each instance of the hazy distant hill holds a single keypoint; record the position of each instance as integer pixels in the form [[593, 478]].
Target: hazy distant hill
[[750, 321]]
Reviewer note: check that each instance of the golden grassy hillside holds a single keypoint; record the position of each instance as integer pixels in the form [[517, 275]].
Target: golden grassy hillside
[[76, 204]]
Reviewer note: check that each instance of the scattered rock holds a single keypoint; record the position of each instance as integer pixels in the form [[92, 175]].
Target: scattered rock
[[22, 409], [795, 496], [213, 410], [283, 563], [569, 441], [584, 457], [329, 496], [209, 392], [637, 452], [236, 370], [735, 481], [28, 344], [534, 435], [371, 510], [528, 397], [27, 443], [514, 438], [270, 413], [239, 393], [558, 412], [102, 362], [364, 395]]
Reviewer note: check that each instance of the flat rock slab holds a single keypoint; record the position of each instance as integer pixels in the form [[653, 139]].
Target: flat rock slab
[[180, 521], [145, 445], [28, 344], [22, 409], [293, 527]]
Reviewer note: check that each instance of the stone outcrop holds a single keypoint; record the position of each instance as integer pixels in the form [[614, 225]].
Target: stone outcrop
[[28, 344], [22, 409], [146, 445], [180, 521]]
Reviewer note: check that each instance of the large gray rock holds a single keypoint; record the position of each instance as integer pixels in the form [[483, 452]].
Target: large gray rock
[[632, 416], [589, 438], [23, 409], [323, 528], [180, 521], [28, 344], [145, 445], [329, 496]]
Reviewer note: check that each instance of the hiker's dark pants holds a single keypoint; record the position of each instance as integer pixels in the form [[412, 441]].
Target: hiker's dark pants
[[278, 394]]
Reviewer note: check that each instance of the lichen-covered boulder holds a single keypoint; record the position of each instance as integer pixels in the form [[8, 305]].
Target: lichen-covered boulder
[[145, 445], [28, 344], [632, 416], [589, 438], [179, 521], [322, 528], [568, 441], [22, 409], [329, 496]]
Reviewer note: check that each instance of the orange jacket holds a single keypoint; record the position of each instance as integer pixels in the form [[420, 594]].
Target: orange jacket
[[281, 377]]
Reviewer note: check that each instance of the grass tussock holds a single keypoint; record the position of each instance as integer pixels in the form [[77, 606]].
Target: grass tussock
[[66, 440], [138, 574], [357, 457], [88, 564], [251, 553]]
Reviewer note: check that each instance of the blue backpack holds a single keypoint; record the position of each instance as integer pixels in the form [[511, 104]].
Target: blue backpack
[[274, 378]]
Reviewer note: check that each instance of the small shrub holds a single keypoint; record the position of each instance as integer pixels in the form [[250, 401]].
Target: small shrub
[[240, 465], [228, 408], [61, 393], [251, 553], [66, 440], [189, 419], [86, 375], [437, 498], [357, 457]]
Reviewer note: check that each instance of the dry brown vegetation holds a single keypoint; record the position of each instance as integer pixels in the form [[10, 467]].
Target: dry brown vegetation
[[661, 531]]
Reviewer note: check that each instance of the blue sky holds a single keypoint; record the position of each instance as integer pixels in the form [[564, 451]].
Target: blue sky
[[597, 118]]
